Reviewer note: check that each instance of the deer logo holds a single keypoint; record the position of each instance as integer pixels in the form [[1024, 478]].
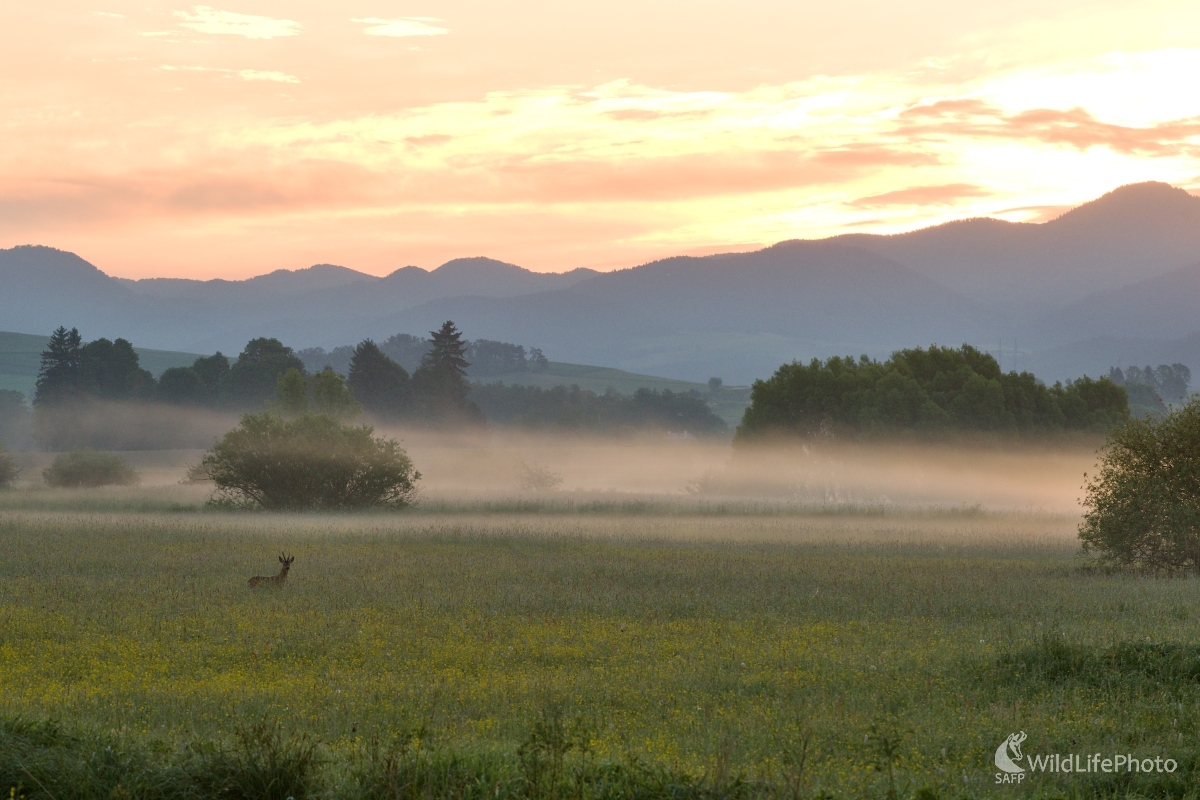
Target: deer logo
[[273, 580], [1011, 745]]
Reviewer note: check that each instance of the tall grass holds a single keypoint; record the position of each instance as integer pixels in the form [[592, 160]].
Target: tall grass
[[696, 653]]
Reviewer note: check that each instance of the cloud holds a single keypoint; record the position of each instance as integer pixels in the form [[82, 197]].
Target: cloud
[[219, 189], [956, 108], [204, 19], [667, 178], [244, 74], [401, 26], [429, 139], [1035, 214], [1077, 128], [111, 14], [651, 115], [874, 155], [922, 196], [670, 168], [1073, 127], [255, 182], [269, 75]]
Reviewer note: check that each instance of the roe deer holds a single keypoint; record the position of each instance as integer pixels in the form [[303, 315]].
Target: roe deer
[[274, 580]]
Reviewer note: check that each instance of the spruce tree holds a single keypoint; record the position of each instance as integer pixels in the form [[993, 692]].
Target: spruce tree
[[60, 374], [440, 382], [447, 353]]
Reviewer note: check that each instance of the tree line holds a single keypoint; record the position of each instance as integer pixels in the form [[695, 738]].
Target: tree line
[[485, 357], [73, 372], [931, 390], [1150, 389], [76, 376], [562, 408]]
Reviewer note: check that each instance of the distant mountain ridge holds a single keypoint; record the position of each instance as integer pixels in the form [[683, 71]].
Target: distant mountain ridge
[[1125, 266], [776, 301], [485, 276], [1133, 232], [317, 305]]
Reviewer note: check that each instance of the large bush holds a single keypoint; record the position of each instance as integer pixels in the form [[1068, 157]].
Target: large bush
[[309, 462], [1143, 507], [88, 468]]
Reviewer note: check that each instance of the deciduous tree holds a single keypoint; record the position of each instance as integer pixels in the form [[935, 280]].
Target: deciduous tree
[[378, 382], [1143, 507], [252, 378]]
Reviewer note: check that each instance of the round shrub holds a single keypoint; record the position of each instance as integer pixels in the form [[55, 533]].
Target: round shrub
[[89, 468], [310, 462], [1143, 508], [8, 470]]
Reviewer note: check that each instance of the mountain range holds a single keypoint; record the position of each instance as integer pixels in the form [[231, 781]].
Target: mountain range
[[1112, 280]]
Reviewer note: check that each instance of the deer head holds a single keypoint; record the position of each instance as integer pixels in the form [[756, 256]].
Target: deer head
[[286, 561]]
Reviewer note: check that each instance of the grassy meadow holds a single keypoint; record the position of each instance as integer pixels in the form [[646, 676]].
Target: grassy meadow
[[661, 646]]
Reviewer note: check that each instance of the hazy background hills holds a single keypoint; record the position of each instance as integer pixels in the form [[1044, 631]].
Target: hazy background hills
[[1133, 233], [1115, 281]]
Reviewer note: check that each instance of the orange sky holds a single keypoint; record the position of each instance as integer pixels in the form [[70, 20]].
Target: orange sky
[[231, 140]]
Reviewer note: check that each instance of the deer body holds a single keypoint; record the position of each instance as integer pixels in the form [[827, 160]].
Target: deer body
[[273, 580]]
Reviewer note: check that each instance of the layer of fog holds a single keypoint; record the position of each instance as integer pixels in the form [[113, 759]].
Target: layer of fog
[[991, 476], [485, 465]]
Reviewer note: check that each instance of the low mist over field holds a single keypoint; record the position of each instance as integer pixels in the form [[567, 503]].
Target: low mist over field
[[567, 471]]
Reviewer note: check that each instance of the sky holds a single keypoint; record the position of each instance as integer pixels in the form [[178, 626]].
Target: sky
[[235, 139]]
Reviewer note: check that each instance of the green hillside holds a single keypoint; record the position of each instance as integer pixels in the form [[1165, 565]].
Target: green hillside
[[728, 404], [20, 356]]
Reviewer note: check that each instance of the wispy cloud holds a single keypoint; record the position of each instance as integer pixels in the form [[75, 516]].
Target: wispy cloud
[[267, 75], [204, 19], [244, 74], [945, 194], [810, 158], [401, 26], [108, 14], [1073, 127]]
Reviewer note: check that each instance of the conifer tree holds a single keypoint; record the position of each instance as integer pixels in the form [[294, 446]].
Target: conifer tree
[[61, 370], [440, 382]]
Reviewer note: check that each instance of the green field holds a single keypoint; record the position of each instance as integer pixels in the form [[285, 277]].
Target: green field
[[698, 646]]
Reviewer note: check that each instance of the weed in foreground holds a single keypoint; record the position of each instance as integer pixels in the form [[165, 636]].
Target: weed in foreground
[[263, 764]]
